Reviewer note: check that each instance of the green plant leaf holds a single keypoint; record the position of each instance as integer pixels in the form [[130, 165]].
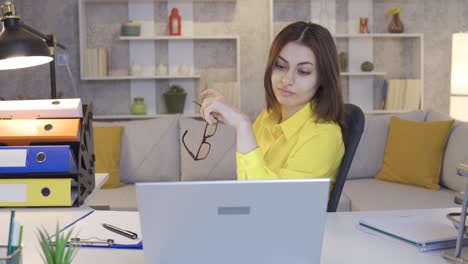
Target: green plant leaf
[[58, 252], [175, 89], [71, 250], [59, 245], [46, 246]]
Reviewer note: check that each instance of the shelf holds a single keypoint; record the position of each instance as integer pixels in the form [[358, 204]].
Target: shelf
[[206, 37], [136, 117], [151, 1], [385, 112], [362, 73], [168, 77], [380, 35]]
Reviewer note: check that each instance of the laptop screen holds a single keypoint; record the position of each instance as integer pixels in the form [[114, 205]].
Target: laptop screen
[[233, 221]]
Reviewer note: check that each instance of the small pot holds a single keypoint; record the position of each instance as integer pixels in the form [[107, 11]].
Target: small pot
[[175, 102]]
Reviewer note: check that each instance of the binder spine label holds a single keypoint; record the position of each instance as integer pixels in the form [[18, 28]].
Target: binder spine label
[[13, 158], [13, 193]]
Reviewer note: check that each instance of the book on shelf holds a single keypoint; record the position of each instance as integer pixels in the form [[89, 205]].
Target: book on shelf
[[427, 229], [380, 93], [96, 62], [403, 94]]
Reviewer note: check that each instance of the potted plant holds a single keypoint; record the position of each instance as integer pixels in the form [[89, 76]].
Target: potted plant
[[175, 99], [57, 252], [395, 25]]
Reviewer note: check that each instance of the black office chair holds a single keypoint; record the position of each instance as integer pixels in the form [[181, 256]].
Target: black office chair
[[352, 131]]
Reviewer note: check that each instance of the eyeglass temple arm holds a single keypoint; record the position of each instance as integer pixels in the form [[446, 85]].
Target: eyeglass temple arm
[[185, 145]]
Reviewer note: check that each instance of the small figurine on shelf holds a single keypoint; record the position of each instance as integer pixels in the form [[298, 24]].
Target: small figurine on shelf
[[175, 23], [367, 66], [343, 59], [364, 25]]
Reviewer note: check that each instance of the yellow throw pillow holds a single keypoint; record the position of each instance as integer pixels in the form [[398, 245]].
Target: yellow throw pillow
[[107, 146], [414, 152]]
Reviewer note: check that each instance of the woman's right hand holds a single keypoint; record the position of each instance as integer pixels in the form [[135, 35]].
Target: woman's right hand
[[214, 106]]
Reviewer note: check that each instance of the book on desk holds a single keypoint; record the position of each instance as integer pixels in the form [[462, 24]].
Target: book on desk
[[425, 230]]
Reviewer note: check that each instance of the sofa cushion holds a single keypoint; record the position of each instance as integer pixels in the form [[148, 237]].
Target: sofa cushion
[[107, 148], [456, 152], [432, 116], [150, 150], [344, 205], [414, 151], [370, 152], [374, 194], [220, 164]]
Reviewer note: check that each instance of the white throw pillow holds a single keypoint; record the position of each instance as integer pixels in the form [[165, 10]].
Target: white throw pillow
[[455, 153], [150, 150], [220, 164]]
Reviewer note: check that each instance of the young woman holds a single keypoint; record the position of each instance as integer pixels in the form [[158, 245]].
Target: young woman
[[298, 136]]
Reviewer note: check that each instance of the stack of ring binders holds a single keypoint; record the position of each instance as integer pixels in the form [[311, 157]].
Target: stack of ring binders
[[46, 153]]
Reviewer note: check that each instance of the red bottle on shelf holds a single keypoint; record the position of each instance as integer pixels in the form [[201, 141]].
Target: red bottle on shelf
[[175, 23]]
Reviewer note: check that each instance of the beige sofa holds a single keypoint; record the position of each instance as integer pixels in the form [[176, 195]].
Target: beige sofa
[[152, 151]]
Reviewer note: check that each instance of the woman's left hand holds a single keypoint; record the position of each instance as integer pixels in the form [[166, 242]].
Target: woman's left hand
[[214, 106]]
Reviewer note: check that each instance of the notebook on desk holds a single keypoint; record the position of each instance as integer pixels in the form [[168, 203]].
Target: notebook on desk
[[425, 230], [229, 222]]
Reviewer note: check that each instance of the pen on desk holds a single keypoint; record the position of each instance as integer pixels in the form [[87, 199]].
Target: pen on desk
[[120, 231]]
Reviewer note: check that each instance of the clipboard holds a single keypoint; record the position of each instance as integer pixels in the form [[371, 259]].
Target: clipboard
[[92, 234]]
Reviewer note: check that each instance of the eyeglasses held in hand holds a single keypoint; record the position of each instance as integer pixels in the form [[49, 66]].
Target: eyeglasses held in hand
[[205, 147]]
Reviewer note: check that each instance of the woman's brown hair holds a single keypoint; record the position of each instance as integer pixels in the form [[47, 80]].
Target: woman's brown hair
[[328, 98]]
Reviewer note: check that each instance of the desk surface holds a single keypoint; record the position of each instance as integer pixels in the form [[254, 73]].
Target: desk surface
[[343, 243]]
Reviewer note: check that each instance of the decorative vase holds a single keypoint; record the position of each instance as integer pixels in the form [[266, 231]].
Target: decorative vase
[[343, 58], [175, 23], [130, 28], [138, 106], [367, 66], [175, 102], [395, 26]]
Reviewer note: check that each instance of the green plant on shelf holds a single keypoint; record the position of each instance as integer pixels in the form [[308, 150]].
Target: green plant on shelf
[[175, 89], [175, 99]]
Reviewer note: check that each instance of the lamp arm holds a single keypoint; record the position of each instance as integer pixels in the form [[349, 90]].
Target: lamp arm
[[50, 39]]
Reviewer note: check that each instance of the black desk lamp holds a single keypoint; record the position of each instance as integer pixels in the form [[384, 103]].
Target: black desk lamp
[[22, 46]]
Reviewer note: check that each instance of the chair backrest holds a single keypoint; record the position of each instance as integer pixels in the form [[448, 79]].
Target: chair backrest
[[352, 131]]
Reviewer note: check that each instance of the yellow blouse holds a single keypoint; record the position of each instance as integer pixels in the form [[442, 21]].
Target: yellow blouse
[[297, 148]]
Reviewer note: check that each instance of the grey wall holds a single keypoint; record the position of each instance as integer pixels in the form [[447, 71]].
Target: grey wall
[[247, 18]]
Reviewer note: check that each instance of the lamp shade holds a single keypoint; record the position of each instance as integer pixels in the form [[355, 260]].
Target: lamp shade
[[459, 77], [19, 48]]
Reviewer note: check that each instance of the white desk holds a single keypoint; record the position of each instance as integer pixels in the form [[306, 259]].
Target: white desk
[[343, 243]]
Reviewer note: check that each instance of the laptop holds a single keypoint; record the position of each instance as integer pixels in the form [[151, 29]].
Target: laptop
[[213, 222]]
